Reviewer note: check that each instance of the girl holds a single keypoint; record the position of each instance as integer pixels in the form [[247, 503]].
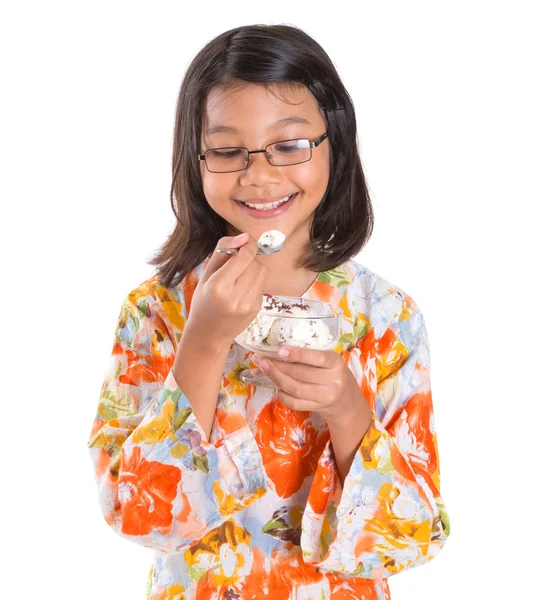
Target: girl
[[330, 486]]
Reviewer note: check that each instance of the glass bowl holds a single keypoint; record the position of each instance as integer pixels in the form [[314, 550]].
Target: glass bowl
[[288, 321]]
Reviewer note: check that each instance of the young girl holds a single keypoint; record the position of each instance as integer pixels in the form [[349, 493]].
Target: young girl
[[330, 486]]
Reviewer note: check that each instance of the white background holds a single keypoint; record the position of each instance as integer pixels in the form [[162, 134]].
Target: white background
[[459, 131]]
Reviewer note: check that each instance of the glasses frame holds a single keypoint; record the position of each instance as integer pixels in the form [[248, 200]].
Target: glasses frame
[[249, 152]]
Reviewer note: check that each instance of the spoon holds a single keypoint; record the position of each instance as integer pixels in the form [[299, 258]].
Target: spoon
[[259, 251], [270, 242]]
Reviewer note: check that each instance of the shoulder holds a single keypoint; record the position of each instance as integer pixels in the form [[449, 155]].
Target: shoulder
[[386, 304], [151, 313], [151, 296], [379, 291]]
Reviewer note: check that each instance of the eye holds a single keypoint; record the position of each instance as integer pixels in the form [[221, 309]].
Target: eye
[[286, 147], [230, 153]]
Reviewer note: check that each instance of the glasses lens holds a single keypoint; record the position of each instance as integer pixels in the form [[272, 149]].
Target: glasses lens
[[223, 160], [289, 152]]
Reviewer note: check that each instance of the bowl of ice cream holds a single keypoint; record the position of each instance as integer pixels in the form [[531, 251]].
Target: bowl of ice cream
[[289, 321]]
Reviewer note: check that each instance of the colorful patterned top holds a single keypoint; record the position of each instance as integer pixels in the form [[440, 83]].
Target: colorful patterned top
[[259, 510]]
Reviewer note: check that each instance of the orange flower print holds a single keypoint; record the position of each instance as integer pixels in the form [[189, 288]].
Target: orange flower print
[[290, 446], [139, 371], [258, 583], [357, 588], [289, 571], [323, 291], [415, 439], [390, 354], [147, 490]]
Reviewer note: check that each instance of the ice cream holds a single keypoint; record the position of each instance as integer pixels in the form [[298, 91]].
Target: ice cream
[[272, 330], [271, 239], [304, 333]]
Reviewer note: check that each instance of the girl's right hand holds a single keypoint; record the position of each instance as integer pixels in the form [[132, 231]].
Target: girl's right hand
[[228, 295]]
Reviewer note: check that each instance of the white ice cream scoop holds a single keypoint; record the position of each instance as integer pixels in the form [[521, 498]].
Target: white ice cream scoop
[[271, 241], [304, 333]]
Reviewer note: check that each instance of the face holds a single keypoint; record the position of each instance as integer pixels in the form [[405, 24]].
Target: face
[[252, 112]]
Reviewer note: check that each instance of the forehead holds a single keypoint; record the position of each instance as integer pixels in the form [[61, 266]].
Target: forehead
[[259, 107]]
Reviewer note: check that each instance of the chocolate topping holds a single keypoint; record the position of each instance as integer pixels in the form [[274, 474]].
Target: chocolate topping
[[278, 305]]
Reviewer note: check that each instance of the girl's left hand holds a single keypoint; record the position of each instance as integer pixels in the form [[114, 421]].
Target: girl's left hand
[[317, 381]]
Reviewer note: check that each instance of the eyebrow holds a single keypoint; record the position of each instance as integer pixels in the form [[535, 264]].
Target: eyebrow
[[280, 123]]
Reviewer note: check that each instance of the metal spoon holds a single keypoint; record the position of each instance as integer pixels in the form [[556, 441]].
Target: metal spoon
[[261, 249]]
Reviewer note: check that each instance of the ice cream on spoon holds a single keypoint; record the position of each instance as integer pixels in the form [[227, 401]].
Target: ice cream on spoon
[[270, 242]]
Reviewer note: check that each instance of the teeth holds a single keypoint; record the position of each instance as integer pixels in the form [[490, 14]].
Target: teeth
[[268, 206]]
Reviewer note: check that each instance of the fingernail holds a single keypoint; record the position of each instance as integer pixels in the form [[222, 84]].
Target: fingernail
[[283, 352], [256, 360], [241, 237], [265, 366]]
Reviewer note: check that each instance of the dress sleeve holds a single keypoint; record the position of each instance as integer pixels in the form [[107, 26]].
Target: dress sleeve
[[160, 483], [389, 515]]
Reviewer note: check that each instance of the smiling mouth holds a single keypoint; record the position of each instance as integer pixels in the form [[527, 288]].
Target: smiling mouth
[[267, 206]]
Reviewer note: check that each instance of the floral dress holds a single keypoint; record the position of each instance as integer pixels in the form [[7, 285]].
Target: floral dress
[[258, 510]]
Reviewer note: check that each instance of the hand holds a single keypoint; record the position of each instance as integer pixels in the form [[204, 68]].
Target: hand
[[317, 381], [228, 295]]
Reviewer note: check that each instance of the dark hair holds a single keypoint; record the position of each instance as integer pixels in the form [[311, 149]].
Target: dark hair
[[285, 56]]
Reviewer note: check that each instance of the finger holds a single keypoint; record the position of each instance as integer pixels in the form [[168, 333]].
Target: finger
[[298, 389], [296, 403], [238, 264], [324, 359], [299, 371], [252, 278], [219, 259]]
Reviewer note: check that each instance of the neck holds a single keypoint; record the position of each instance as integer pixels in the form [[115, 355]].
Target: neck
[[284, 277]]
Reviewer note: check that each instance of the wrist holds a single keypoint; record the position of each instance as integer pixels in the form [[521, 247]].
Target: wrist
[[201, 341], [355, 414]]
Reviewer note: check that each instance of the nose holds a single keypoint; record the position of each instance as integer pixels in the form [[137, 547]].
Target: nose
[[259, 170]]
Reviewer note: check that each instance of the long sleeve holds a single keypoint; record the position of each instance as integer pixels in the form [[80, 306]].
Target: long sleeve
[[389, 515], [161, 484]]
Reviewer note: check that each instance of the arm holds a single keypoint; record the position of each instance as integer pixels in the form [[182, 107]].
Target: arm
[[193, 358], [347, 435], [389, 515], [161, 484]]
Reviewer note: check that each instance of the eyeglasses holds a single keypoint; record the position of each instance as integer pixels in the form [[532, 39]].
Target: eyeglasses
[[279, 154]]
